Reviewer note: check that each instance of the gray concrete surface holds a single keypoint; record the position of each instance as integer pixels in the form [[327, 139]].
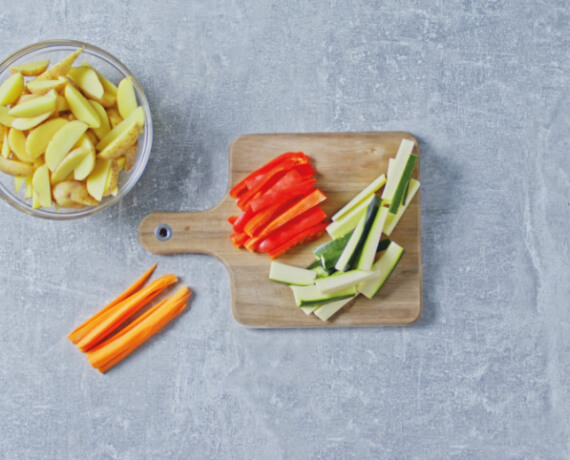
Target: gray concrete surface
[[484, 374]]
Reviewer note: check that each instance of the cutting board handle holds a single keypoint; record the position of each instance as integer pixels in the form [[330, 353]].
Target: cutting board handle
[[204, 232]]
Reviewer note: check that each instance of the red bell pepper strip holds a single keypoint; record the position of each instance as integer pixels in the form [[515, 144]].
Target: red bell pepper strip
[[267, 181], [238, 239], [257, 222], [280, 196], [307, 202], [252, 243], [241, 186], [296, 157], [305, 169], [307, 236], [308, 219], [232, 219], [243, 219]]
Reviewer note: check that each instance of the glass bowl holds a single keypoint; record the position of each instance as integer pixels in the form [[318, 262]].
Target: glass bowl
[[113, 70]]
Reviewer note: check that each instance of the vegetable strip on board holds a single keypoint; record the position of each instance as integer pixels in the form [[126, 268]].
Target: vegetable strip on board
[[80, 332]]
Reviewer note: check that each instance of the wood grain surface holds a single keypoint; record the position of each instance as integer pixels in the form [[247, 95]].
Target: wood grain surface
[[345, 164]]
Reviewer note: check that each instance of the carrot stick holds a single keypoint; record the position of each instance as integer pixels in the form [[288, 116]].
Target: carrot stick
[[124, 310], [118, 347], [88, 325]]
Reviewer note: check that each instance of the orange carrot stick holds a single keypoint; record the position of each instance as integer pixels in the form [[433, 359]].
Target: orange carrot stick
[[138, 338], [118, 347], [123, 311], [88, 325]]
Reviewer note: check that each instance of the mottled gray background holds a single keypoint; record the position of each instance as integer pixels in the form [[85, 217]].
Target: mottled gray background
[[484, 85]]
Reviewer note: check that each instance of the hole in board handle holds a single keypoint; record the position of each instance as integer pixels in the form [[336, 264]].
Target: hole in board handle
[[163, 232]]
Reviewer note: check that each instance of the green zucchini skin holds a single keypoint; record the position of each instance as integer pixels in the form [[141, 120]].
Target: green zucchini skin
[[371, 212]]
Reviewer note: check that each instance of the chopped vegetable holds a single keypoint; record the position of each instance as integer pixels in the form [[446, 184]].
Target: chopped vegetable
[[118, 314], [88, 325]]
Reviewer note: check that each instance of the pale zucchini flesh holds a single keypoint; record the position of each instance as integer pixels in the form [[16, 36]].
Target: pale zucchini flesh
[[365, 193], [393, 219], [288, 274], [368, 253], [348, 222], [397, 168], [382, 269], [341, 281], [311, 295], [325, 312]]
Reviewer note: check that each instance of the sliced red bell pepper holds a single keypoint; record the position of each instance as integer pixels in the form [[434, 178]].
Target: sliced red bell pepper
[[232, 219], [299, 207], [252, 243], [296, 157], [305, 169], [307, 236], [308, 219], [265, 182], [243, 219], [238, 239], [257, 222], [282, 195], [242, 186]]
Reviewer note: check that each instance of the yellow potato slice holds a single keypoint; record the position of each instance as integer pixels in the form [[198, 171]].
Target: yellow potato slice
[[126, 97], [17, 141], [81, 108], [121, 161], [97, 180], [15, 168], [87, 81], [42, 187], [28, 191], [85, 167], [31, 69], [5, 118], [72, 194], [11, 89], [24, 124], [18, 182], [105, 127], [41, 87], [63, 141], [38, 139], [26, 97], [5, 152], [137, 115], [61, 104], [61, 68], [69, 163], [85, 141], [114, 117], [112, 184], [109, 97], [130, 157], [35, 106], [125, 140]]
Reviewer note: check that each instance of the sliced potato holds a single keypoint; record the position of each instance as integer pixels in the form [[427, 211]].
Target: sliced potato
[[24, 124], [17, 141], [61, 104], [81, 108], [125, 140], [126, 97], [38, 139], [18, 182], [61, 68], [40, 87], [35, 106], [11, 89], [26, 97], [15, 168], [28, 191], [105, 127], [112, 184], [73, 194], [69, 163], [5, 118], [137, 115], [42, 187], [63, 141], [114, 117], [97, 180], [5, 152], [87, 81], [85, 167], [31, 69], [130, 157], [109, 97]]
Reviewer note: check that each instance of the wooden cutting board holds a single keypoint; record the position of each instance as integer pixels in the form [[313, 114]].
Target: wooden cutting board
[[345, 164]]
